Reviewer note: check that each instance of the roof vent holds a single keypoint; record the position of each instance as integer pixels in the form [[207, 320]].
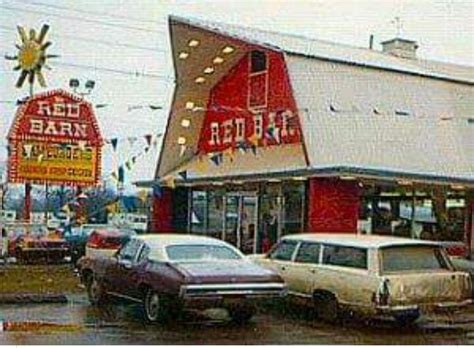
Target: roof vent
[[399, 47]]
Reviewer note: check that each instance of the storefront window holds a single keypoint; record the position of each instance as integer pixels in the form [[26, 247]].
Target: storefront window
[[294, 195], [199, 212], [215, 215]]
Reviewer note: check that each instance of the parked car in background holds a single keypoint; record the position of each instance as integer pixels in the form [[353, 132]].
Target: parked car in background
[[77, 238], [106, 241], [32, 243], [371, 275], [167, 272]]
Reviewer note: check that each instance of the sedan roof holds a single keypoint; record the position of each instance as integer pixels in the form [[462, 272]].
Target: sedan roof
[[175, 238], [358, 240]]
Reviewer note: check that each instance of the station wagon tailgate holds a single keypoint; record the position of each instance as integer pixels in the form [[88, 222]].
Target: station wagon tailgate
[[422, 274]]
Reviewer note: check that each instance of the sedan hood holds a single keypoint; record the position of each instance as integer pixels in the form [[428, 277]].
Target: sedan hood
[[226, 272]]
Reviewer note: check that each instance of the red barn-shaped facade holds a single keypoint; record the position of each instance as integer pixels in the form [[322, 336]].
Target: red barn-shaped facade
[[270, 134]]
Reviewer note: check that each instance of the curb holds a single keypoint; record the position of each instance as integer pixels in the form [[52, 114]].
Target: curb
[[32, 298]]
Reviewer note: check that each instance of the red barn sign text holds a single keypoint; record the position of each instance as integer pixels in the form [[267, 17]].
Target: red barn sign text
[[55, 138]]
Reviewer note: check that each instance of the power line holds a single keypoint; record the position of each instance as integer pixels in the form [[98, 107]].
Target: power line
[[64, 8], [116, 71], [100, 42], [74, 18]]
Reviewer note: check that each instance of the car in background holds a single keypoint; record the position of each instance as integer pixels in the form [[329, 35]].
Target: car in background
[[77, 238], [168, 272], [106, 241], [368, 274], [34, 243]]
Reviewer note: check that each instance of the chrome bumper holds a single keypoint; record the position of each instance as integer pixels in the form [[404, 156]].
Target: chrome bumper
[[410, 308], [246, 290]]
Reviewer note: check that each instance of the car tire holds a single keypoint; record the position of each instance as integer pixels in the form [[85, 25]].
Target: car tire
[[407, 319], [95, 290], [326, 306], [156, 307], [241, 315]]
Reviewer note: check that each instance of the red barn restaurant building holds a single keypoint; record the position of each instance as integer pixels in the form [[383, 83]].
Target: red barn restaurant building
[[270, 134]]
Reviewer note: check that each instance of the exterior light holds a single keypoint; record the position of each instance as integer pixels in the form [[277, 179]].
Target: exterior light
[[457, 187], [183, 55], [185, 123], [189, 105], [193, 43], [404, 182], [73, 83], [200, 79], [299, 178], [209, 70], [181, 140], [218, 60], [228, 49], [273, 180], [347, 177]]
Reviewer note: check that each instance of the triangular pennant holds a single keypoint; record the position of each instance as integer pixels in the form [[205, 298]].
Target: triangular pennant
[[148, 139], [142, 196], [114, 176], [201, 165], [128, 164], [170, 182], [254, 149], [254, 139], [229, 153], [182, 150], [134, 159], [183, 174], [242, 146], [157, 192], [147, 149], [114, 142]]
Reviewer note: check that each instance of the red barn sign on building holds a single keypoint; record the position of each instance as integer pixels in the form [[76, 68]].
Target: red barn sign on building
[[55, 138]]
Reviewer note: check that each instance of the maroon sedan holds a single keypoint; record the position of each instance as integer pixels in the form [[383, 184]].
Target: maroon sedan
[[166, 272]]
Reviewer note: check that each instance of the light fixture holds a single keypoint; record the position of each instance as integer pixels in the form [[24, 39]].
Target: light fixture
[[457, 187], [228, 49], [200, 79], [218, 60], [185, 123], [347, 177], [189, 105], [181, 140], [183, 55], [298, 178], [274, 180], [209, 70], [404, 182], [193, 43]]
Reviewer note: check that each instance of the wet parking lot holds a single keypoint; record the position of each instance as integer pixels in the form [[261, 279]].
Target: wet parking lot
[[79, 323]]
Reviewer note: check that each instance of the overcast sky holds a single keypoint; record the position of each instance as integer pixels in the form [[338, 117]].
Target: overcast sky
[[123, 46]]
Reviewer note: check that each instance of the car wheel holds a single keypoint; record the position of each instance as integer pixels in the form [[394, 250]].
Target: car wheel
[[407, 319], [95, 290], [241, 315], [153, 306], [326, 307]]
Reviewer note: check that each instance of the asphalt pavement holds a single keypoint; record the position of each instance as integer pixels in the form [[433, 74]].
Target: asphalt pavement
[[79, 323]]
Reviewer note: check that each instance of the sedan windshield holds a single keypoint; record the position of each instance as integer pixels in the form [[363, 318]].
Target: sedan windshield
[[201, 253], [413, 258]]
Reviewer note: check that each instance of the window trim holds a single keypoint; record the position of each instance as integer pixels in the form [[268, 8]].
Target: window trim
[[308, 242], [292, 257], [367, 250], [251, 74]]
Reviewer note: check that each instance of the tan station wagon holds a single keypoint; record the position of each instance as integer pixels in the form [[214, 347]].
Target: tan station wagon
[[371, 275]]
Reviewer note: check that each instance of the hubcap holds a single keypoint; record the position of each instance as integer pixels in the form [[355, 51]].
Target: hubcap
[[153, 305]]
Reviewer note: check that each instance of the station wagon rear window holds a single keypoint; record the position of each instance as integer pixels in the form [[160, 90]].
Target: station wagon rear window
[[284, 250], [201, 253], [345, 256], [412, 258]]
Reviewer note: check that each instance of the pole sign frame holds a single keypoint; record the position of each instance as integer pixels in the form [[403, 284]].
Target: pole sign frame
[[55, 138]]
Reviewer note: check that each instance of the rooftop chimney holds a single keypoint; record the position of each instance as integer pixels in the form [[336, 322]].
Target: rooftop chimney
[[399, 47]]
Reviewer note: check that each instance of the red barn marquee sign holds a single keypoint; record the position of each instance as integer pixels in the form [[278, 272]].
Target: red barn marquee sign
[[55, 138]]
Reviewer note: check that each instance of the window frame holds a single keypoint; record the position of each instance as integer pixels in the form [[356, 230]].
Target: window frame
[[289, 241], [320, 253], [367, 256]]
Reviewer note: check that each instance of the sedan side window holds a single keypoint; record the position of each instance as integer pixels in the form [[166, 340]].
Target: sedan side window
[[308, 253], [284, 250], [143, 254], [345, 256], [129, 251]]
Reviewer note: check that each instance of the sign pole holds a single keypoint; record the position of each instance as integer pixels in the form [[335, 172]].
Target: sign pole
[[27, 205]]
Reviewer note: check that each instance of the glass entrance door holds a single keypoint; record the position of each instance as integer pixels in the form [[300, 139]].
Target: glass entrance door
[[241, 213]]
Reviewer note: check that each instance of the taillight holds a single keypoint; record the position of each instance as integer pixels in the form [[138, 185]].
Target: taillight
[[98, 241], [383, 293]]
